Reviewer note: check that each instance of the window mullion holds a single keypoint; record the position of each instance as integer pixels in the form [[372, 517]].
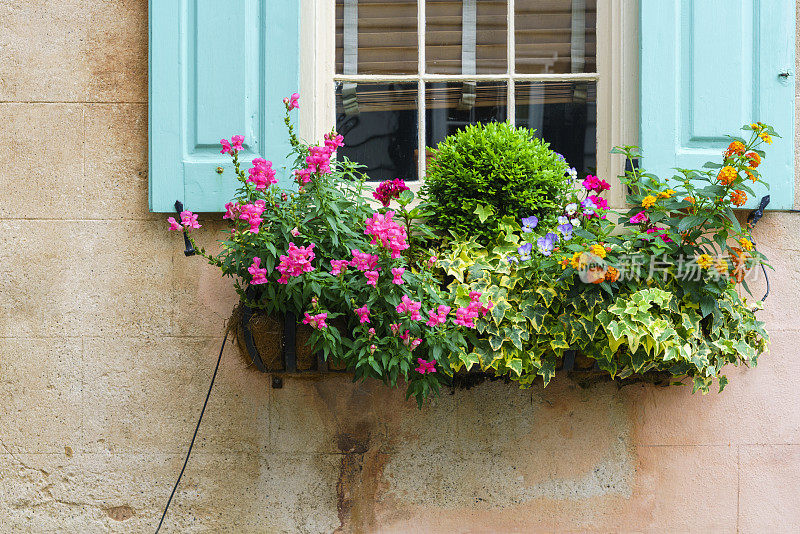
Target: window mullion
[[511, 58], [422, 149]]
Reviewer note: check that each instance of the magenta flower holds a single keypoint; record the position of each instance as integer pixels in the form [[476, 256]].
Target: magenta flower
[[261, 174], [363, 261], [333, 141], [371, 333], [389, 190], [189, 220], [425, 366], [339, 267], [316, 321], [411, 307], [372, 278], [259, 275], [395, 328], [432, 260], [466, 316], [397, 273], [231, 210], [599, 202], [438, 316], [292, 102], [236, 142], [295, 231], [386, 232], [363, 314], [295, 262], [252, 214], [226, 147], [639, 218], [173, 224]]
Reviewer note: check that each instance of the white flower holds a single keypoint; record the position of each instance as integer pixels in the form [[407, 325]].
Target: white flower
[[576, 223], [571, 208]]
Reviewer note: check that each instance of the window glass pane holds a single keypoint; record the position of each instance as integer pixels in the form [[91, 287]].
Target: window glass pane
[[555, 36], [565, 115], [443, 36], [379, 125], [449, 107], [387, 36]]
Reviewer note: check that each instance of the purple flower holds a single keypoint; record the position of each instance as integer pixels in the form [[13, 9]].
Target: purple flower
[[588, 207], [525, 251], [512, 259], [545, 244], [565, 228], [529, 223]]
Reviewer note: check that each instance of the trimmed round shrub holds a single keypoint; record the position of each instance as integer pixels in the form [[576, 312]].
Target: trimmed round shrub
[[496, 165]]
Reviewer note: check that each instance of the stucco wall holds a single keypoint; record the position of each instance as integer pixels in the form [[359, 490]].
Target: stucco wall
[[108, 337]]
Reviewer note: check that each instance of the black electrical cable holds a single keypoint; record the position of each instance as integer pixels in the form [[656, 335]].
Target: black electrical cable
[[186, 461]]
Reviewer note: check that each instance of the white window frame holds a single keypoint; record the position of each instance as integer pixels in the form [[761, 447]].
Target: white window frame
[[617, 78]]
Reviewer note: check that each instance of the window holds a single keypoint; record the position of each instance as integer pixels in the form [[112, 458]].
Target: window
[[405, 74]]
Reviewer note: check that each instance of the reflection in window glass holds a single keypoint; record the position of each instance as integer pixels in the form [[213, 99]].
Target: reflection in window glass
[[379, 125], [385, 34], [565, 115], [451, 106], [555, 36], [444, 31]]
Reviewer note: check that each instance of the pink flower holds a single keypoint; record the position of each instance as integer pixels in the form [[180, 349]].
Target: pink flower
[[226, 147], [593, 183], [252, 214], [302, 176], [664, 237], [316, 321], [236, 142], [261, 174], [295, 262], [388, 190], [387, 233], [372, 278], [363, 314], [338, 267], [371, 333], [189, 220], [372, 349], [639, 218], [295, 232], [232, 210], [432, 260], [600, 202], [292, 102], [466, 316], [333, 141], [259, 275], [395, 328], [398, 275], [410, 307], [438, 316], [425, 366], [173, 224], [363, 261]]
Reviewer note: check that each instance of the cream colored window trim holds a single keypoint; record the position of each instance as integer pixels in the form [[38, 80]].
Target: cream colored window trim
[[617, 79]]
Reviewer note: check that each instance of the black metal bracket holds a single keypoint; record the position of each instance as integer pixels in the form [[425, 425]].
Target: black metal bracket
[[189, 251], [752, 219]]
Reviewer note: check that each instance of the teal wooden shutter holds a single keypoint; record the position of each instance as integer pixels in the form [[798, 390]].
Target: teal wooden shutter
[[707, 68], [217, 69]]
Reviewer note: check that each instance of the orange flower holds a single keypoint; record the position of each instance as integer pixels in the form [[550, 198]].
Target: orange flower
[[755, 159], [727, 175], [735, 148], [751, 176], [746, 243], [721, 266], [704, 261], [612, 274], [766, 137], [738, 198], [691, 200]]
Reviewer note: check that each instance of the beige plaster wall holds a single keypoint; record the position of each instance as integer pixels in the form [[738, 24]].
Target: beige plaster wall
[[108, 336]]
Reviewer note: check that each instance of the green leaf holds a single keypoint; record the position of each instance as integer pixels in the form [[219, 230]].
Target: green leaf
[[516, 365], [547, 293], [484, 211]]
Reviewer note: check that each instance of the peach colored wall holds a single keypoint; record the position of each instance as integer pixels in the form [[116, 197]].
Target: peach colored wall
[[108, 336]]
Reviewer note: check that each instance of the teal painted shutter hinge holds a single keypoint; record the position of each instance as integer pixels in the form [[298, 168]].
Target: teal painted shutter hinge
[[708, 68], [217, 69]]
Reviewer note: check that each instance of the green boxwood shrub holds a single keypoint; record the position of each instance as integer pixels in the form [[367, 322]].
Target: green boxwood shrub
[[505, 169]]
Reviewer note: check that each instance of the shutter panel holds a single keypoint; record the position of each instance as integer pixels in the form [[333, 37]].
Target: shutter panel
[[707, 68], [217, 69]]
